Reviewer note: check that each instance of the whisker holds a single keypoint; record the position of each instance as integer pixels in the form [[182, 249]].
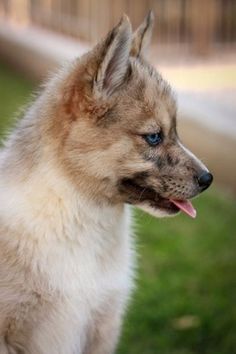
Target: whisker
[[140, 196]]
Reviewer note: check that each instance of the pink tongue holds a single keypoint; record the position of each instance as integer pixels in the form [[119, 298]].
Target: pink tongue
[[186, 206]]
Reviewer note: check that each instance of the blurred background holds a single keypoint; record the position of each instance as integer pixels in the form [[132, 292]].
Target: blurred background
[[184, 302]]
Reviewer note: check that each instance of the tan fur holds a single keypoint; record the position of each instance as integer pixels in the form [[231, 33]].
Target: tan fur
[[66, 172]]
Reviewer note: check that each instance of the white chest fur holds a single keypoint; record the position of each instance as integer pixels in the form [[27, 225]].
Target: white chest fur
[[76, 246], [75, 257]]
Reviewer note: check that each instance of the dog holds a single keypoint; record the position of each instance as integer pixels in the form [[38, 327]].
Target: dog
[[100, 137]]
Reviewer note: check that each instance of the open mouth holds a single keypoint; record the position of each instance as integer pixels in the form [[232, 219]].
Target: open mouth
[[137, 194]]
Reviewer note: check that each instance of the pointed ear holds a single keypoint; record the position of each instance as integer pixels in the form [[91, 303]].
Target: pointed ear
[[142, 36], [115, 59]]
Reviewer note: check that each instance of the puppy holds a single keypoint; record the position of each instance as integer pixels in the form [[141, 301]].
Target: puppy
[[101, 135]]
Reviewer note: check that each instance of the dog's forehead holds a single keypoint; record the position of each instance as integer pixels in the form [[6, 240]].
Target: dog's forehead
[[157, 90], [152, 95]]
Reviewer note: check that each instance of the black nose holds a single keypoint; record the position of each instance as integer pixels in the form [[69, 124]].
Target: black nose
[[205, 180]]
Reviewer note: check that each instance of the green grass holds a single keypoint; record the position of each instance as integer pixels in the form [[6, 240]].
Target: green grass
[[186, 288], [14, 93], [185, 298]]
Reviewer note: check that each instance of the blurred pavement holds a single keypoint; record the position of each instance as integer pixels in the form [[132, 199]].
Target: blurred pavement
[[206, 92]]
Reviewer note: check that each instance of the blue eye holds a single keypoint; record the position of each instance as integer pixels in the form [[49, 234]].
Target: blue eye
[[153, 139]]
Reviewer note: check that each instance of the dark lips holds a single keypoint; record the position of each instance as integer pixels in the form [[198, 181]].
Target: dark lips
[[136, 194]]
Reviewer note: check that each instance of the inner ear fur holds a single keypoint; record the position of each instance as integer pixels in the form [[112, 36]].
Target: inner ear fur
[[114, 62], [100, 72]]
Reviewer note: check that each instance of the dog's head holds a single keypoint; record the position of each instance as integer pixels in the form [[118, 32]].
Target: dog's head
[[120, 141]]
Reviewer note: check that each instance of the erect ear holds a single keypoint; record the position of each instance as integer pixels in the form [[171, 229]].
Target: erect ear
[[115, 59], [142, 36]]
